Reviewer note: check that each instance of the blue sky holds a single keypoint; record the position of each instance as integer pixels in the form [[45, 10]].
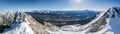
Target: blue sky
[[6, 5]]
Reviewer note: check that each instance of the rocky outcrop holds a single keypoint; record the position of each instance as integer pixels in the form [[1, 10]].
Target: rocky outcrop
[[99, 23], [36, 26], [6, 20]]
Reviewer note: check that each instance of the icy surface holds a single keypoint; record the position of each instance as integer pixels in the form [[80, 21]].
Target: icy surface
[[22, 28]]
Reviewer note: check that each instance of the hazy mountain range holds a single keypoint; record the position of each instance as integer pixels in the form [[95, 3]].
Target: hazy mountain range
[[61, 22]]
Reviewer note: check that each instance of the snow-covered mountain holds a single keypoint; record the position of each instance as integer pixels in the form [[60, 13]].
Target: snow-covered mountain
[[106, 22], [20, 23], [114, 19]]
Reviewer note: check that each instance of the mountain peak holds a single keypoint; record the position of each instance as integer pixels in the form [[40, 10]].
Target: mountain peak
[[114, 12]]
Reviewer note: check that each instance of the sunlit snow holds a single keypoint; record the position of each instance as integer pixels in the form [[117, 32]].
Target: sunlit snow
[[22, 28]]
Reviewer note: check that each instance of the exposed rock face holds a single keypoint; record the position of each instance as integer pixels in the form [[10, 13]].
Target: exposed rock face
[[99, 24], [36, 26], [51, 27], [12, 19], [6, 20], [1, 22], [39, 28], [114, 19], [94, 27]]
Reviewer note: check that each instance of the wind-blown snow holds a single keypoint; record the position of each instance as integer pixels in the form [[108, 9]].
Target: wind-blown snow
[[22, 28]]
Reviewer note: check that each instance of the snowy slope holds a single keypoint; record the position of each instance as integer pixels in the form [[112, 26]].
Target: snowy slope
[[109, 28], [114, 20], [20, 24], [22, 28], [106, 23]]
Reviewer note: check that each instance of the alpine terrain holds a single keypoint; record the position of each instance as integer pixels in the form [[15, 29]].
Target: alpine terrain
[[61, 22]]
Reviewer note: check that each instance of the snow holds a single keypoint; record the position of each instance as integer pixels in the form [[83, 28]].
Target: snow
[[106, 28], [22, 28], [98, 17], [69, 29], [114, 22], [109, 33], [110, 27], [77, 29]]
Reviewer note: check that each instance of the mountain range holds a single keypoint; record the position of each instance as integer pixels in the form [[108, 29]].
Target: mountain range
[[61, 22]]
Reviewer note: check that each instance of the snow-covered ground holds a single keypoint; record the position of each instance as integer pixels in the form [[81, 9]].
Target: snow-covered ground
[[69, 29], [110, 28], [72, 29], [77, 29], [22, 28], [114, 21]]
